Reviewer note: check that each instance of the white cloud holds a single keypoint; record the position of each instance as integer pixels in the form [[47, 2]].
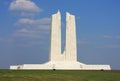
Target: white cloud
[[29, 33], [30, 28], [26, 35], [27, 21], [24, 7], [43, 24], [23, 30]]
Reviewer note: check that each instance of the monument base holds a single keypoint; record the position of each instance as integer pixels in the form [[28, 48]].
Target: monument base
[[61, 66]]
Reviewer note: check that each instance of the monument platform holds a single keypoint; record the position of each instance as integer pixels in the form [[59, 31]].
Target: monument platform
[[61, 66]]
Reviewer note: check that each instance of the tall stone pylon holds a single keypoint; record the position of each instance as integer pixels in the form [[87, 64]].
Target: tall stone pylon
[[71, 46], [70, 51], [55, 47]]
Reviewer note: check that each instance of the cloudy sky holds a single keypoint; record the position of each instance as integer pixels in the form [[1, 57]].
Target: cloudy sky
[[25, 30]]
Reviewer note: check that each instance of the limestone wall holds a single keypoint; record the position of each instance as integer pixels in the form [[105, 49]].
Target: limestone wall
[[71, 48], [55, 45]]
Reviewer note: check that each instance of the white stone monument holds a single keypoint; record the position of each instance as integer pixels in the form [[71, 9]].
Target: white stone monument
[[70, 51], [67, 60]]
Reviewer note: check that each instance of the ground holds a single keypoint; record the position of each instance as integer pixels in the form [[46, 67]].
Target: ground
[[57, 75]]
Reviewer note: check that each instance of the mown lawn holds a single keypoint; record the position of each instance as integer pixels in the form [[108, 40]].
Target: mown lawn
[[49, 75]]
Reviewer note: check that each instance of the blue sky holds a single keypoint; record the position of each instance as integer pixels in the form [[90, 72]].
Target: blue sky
[[25, 30]]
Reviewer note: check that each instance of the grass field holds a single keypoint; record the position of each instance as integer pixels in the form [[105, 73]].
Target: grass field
[[49, 75]]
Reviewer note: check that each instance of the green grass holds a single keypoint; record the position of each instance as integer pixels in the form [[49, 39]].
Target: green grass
[[49, 75]]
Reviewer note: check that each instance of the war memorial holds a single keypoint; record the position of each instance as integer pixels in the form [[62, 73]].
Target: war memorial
[[68, 59]]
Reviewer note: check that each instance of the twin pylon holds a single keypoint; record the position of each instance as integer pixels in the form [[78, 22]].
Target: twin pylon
[[70, 51]]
